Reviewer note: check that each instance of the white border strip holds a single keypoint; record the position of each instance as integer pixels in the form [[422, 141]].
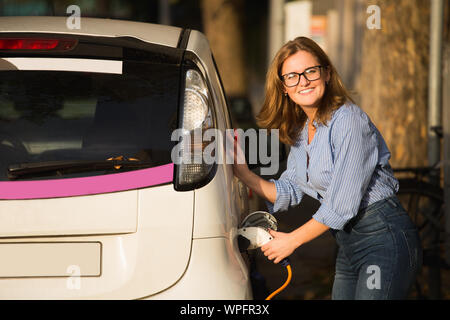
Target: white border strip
[[62, 64]]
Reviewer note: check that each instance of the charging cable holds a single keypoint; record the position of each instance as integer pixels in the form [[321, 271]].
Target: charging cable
[[254, 233], [285, 263]]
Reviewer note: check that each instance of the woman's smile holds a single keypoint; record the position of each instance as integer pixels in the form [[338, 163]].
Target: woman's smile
[[306, 93]]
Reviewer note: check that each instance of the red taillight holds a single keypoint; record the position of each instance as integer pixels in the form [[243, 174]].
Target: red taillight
[[36, 44]]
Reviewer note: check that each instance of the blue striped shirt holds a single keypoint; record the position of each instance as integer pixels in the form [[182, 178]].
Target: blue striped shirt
[[348, 168]]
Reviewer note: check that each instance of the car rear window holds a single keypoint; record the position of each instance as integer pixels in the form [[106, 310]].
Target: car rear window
[[51, 115]]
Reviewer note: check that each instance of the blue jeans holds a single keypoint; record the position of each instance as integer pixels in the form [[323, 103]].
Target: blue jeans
[[380, 256]]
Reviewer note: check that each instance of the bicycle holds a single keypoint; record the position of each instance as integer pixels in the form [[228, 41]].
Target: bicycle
[[423, 198]]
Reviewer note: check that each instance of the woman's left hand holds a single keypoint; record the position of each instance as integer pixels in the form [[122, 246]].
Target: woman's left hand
[[281, 246]]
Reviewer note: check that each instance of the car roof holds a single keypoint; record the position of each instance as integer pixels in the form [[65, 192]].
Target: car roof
[[148, 32]]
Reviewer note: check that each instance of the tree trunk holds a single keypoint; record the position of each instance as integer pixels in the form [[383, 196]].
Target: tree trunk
[[222, 22], [394, 78]]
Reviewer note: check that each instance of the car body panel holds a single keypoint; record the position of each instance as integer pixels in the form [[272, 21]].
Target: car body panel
[[151, 33], [94, 214], [227, 196], [154, 242], [134, 265], [203, 278]]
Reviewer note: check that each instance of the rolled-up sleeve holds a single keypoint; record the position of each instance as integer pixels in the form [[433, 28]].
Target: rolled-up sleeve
[[355, 156], [288, 191]]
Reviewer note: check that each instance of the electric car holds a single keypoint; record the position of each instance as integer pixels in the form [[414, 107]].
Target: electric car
[[92, 203]]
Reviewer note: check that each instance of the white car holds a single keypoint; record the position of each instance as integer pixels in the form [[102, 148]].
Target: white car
[[92, 205]]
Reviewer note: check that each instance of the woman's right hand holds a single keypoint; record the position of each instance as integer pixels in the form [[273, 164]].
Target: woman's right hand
[[263, 188], [240, 167]]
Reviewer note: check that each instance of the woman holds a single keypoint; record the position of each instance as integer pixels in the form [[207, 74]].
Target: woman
[[338, 157]]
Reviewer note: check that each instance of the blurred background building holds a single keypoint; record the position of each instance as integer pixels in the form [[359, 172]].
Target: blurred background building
[[394, 55]]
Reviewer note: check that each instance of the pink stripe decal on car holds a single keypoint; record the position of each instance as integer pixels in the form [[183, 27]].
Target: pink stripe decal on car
[[41, 189]]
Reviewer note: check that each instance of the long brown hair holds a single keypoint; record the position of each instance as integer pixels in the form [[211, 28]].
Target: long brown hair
[[280, 112]]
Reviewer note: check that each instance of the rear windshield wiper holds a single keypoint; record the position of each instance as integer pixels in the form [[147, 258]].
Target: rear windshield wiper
[[16, 171]]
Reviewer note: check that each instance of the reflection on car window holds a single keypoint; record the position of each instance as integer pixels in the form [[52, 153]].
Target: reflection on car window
[[53, 116]]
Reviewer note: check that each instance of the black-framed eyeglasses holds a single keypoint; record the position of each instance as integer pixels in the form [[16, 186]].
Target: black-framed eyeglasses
[[293, 78]]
